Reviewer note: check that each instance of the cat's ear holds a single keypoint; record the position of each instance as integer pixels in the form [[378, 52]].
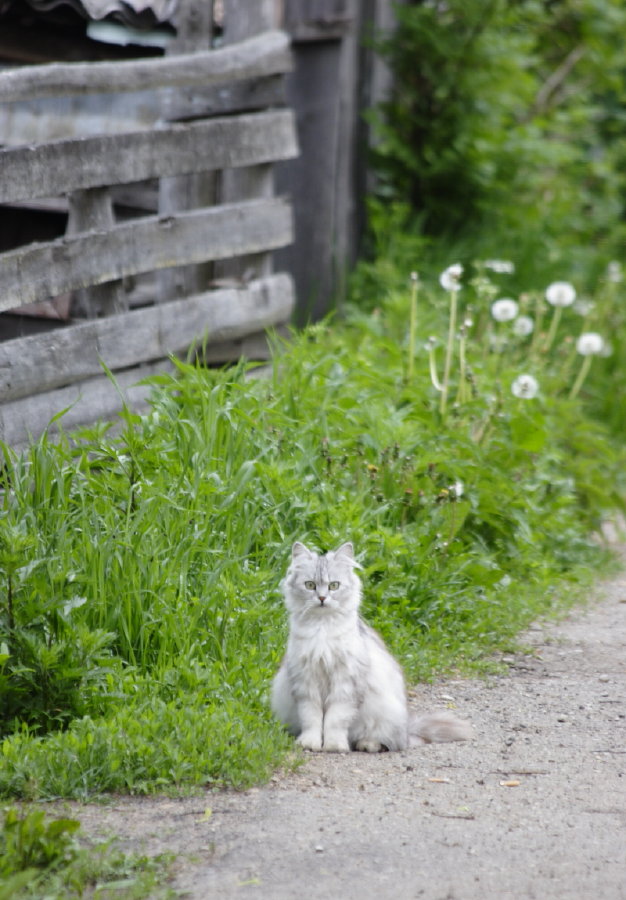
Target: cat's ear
[[346, 550], [299, 549]]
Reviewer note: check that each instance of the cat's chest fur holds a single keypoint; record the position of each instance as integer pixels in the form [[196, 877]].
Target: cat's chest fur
[[326, 654]]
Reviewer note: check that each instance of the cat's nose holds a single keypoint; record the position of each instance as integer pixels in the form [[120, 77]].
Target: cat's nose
[[321, 599]]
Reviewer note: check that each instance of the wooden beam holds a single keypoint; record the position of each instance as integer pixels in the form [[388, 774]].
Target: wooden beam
[[88, 401], [40, 271], [243, 96], [98, 399], [46, 361], [49, 169], [265, 54]]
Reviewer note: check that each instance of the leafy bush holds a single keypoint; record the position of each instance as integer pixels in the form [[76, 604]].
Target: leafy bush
[[506, 122]]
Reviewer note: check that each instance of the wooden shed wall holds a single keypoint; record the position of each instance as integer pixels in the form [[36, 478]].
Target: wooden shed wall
[[207, 245]]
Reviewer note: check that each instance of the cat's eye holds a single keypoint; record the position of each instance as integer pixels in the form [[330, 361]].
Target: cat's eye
[[309, 585], [333, 585]]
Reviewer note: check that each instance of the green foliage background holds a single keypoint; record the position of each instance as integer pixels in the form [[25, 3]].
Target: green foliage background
[[507, 126]]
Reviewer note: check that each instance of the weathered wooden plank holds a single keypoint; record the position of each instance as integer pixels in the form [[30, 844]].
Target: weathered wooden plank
[[42, 120], [265, 54], [89, 401], [97, 399], [243, 96], [42, 362], [63, 166], [40, 271]]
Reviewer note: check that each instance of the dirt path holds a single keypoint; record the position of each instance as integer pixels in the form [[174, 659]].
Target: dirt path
[[534, 807]]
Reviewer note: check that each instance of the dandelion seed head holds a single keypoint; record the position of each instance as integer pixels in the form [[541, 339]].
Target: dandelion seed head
[[614, 272], [560, 293], [525, 386], [450, 278], [523, 326], [431, 343], [457, 489], [590, 344], [502, 266], [584, 306], [504, 310]]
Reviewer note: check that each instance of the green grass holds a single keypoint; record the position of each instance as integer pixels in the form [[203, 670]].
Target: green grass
[[44, 857], [142, 621]]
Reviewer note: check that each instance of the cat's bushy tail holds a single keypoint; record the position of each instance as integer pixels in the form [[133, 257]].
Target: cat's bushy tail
[[438, 728]]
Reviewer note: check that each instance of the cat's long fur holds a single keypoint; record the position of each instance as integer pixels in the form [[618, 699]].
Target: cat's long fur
[[338, 687]]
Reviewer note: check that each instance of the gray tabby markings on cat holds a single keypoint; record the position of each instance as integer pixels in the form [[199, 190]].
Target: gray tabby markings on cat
[[338, 687]]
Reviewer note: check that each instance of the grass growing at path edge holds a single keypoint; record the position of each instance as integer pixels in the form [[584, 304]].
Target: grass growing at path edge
[[142, 620]]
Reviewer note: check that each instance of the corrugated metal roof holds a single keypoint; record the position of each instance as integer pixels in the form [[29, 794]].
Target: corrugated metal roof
[[129, 11]]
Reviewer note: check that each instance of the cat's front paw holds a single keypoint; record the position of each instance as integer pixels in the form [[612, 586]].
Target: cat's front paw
[[310, 740], [336, 744], [369, 746]]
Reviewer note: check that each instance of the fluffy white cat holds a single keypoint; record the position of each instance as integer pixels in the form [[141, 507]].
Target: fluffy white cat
[[338, 687]]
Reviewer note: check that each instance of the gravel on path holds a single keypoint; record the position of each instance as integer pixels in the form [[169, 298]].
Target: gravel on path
[[533, 807]]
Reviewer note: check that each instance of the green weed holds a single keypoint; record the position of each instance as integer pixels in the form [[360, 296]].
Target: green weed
[[42, 857], [141, 620]]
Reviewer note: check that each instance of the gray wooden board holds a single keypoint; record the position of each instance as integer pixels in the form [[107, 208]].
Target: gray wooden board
[[39, 121], [88, 401], [265, 54], [241, 96], [62, 166], [40, 271], [46, 361], [96, 399]]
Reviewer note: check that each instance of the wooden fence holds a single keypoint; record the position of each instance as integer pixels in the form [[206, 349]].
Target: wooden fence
[[221, 114]]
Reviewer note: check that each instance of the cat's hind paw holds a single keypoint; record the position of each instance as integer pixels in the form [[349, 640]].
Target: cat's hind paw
[[369, 746]]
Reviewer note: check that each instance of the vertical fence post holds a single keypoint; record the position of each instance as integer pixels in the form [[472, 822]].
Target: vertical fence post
[[244, 19], [92, 210], [194, 31]]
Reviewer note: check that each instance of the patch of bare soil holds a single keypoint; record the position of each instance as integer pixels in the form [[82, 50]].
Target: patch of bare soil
[[533, 807]]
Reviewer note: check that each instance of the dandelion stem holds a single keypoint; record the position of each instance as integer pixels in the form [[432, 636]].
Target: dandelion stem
[[449, 351], [412, 324], [538, 323], [433, 369], [554, 324], [461, 394], [584, 369]]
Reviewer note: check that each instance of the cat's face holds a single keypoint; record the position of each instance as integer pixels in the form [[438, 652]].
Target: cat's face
[[324, 584]]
